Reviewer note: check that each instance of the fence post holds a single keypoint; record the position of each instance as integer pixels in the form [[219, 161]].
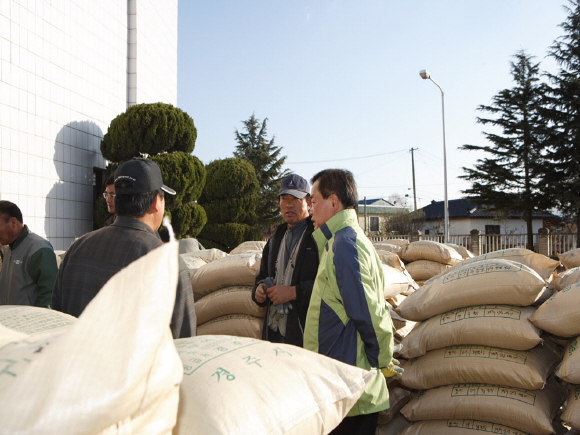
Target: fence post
[[544, 242], [415, 236], [474, 243]]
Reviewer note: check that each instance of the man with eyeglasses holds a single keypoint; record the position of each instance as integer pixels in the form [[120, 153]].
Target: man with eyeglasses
[[109, 195], [95, 257]]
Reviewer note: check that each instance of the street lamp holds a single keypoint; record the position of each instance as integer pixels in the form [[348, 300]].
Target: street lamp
[[426, 76]]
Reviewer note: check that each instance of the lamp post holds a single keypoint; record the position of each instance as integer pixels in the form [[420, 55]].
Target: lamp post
[[426, 76]]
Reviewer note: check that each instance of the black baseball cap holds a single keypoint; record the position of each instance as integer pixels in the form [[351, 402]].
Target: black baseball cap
[[142, 176], [294, 185]]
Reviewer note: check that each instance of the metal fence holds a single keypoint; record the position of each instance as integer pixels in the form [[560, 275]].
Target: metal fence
[[546, 243]]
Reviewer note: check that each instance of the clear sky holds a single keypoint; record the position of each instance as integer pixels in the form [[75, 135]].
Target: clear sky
[[339, 80]]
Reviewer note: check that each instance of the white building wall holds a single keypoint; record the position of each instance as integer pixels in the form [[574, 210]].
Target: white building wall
[[63, 78]]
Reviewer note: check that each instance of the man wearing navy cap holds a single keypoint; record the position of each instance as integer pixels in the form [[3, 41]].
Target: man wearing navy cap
[[289, 265], [94, 258]]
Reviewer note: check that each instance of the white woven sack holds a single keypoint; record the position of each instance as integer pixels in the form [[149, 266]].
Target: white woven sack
[[504, 326], [422, 270], [570, 259], [481, 283], [569, 369], [189, 245], [527, 369], [114, 370], [571, 415], [396, 242], [430, 250], [458, 427], [243, 386], [192, 261], [239, 269], [210, 255], [560, 315], [529, 411], [229, 300], [30, 320], [250, 245]]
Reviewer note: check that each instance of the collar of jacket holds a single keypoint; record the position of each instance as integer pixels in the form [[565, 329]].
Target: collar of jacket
[[21, 237], [340, 220]]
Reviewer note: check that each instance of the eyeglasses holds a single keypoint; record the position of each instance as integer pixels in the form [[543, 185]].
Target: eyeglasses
[[108, 195]]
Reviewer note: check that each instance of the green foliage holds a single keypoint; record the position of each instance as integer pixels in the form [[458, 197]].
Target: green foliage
[[185, 174], [230, 197], [188, 220], [509, 178], [226, 236], [264, 156], [167, 135], [148, 129], [563, 180]]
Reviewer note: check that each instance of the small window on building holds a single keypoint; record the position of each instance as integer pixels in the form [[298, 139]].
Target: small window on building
[[374, 224], [492, 229], [427, 232]]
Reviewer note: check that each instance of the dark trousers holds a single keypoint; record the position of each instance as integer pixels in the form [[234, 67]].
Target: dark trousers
[[358, 425]]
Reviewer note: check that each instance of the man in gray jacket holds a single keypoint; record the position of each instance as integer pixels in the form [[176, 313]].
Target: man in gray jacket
[[29, 265]]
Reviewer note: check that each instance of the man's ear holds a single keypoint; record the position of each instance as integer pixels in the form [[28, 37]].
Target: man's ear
[[156, 204]]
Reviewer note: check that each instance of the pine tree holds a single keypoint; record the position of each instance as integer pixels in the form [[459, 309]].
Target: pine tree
[[563, 182], [508, 179], [254, 147]]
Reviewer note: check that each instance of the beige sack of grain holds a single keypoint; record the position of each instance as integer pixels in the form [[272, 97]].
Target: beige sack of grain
[[229, 300], [398, 397], [567, 278], [384, 246], [242, 386], [527, 410], [504, 326], [30, 320], [544, 266], [250, 245], [458, 427], [570, 259], [560, 315], [571, 415], [569, 369], [397, 282], [393, 427], [239, 269], [483, 282], [527, 369], [114, 370], [59, 256], [239, 325], [402, 326], [461, 250], [429, 250], [390, 258], [422, 270]]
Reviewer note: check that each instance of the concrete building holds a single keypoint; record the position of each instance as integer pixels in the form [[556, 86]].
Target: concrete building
[[67, 68]]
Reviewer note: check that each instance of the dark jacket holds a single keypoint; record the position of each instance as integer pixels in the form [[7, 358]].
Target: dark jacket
[[303, 278]]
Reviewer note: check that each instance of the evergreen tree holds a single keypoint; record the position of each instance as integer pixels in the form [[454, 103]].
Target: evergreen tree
[[254, 147], [508, 179], [563, 182]]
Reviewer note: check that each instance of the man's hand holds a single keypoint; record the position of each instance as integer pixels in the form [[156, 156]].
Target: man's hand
[[392, 369], [261, 293], [280, 294]]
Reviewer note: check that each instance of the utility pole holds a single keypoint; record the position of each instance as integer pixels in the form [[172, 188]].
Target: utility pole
[[413, 167]]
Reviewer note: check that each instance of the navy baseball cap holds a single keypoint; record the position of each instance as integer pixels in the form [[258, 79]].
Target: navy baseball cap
[[294, 185], [141, 176]]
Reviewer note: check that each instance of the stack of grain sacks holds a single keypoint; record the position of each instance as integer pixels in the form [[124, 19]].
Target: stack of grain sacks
[[476, 361], [223, 289], [560, 317], [424, 259]]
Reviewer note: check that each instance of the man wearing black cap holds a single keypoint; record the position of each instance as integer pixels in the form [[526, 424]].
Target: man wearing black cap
[[94, 258], [289, 266]]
